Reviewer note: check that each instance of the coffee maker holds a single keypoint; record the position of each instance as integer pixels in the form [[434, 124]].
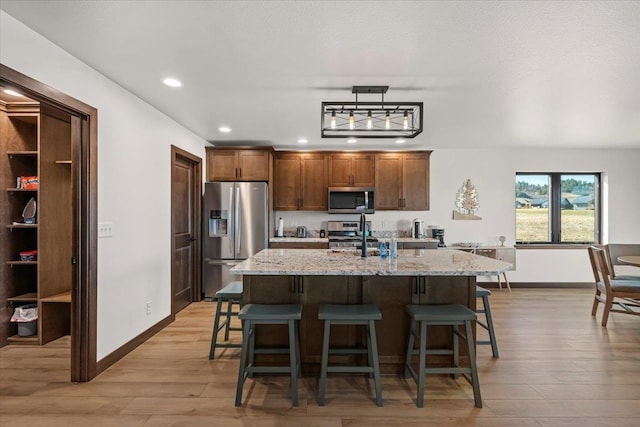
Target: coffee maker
[[438, 233]]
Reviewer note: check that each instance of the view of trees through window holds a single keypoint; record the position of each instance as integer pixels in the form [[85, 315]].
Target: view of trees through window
[[567, 215]]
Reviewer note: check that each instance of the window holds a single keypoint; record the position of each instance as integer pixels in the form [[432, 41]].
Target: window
[[557, 207]]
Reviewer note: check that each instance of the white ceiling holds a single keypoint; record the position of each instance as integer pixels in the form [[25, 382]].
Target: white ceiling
[[490, 74]]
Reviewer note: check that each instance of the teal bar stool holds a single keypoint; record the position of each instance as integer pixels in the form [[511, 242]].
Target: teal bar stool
[[337, 314], [261, 314], [232, 293], [453, 315], [486, 310]]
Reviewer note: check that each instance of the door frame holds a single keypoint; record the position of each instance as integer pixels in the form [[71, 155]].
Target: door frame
[[84, 365], [196, 162]]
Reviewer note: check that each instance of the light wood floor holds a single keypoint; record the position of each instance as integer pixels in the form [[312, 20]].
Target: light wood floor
[[558, 367]]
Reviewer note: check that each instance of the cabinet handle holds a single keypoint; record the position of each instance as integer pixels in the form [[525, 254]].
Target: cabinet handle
[[415, 287], [399, 203], [423, 285], [236, 172], [404, 203], [240, 175]]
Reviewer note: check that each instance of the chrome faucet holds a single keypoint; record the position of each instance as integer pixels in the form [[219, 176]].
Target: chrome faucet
[[363, 228]]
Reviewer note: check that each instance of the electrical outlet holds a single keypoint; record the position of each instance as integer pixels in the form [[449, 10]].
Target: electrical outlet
[[105, 229], [148, 308]]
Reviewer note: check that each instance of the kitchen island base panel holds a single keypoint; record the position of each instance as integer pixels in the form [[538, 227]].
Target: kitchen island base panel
[[390, 293]]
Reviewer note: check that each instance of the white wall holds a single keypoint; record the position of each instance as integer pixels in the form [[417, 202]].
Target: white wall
[[493, 174], [134, 176]]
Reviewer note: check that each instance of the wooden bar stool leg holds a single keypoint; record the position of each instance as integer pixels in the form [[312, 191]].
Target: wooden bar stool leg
[[228, 324], [474, 368], [243, 361], [421, 373], [409, 358], [456, 349], [492, 334], [216, 326], [373, 354], [293, 362], [322, 387]]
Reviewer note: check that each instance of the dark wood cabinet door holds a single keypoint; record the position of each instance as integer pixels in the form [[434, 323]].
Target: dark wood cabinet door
[[253, 165], [316, 290], [416, 181], [221, 165], [286, 182], [391, 294], [363, 166], [313, 168], [340, 170], [389, 181]]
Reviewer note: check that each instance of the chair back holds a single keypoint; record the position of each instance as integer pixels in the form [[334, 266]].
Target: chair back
[[600, 268]]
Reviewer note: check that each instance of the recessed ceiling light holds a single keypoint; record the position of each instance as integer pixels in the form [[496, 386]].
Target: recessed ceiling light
[[400, 141], [12, 92], [302, 141], [171, 82], [351, 141], [224, 129]]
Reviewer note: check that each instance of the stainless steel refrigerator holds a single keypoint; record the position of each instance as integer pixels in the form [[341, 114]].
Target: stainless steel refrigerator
[[235, 220]]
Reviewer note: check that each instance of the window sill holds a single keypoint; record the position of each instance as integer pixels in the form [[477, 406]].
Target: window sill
[[553, 245]]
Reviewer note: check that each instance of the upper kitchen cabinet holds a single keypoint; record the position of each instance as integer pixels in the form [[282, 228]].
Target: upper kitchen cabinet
[[225, 164], [351, 170], [300, 181], [402, 181]]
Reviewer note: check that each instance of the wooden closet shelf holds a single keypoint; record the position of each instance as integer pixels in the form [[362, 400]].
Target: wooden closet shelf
[[12, 226], [21, 190], [22, 262], [22, 153], [31, 296], [63, 297]]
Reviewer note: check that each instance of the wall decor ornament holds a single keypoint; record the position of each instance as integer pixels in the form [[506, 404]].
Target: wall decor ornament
[[466, 202]]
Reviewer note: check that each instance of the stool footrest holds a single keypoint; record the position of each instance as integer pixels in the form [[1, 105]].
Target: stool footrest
[[268, 370], [351, 368], [347, 351], [447, 370]]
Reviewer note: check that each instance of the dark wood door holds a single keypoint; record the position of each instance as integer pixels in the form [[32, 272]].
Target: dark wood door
[[313, 182], [186, 194], [416, 181], [287, 182], [389, 181]]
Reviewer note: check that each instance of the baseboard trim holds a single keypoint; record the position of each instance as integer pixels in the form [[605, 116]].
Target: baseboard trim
[[128, 347], [558, 285]]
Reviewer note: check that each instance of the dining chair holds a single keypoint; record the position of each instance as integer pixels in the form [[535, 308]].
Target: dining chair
[[615, 250], [621, 293]]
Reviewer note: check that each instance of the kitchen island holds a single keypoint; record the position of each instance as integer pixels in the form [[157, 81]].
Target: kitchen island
[[315, 276]]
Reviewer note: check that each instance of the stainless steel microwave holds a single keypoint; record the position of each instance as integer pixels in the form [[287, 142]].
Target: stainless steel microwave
[[351, 200]]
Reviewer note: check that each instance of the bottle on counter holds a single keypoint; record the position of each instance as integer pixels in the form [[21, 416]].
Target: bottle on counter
[[393, 248], [383, 250]]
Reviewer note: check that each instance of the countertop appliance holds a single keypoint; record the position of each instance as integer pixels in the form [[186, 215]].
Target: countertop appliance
[[351, 200], [438, 233], [418, 229], [301, 231], [347, 234], [235, 222]]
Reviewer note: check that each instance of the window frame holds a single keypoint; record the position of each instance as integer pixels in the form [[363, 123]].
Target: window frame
[[555, 208]]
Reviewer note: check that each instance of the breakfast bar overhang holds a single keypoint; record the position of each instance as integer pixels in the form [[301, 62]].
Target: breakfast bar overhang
[[315, 276]]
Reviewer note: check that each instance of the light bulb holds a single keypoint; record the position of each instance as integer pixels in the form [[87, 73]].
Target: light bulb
[[369, 121], [333, 120], [351, 141], [387, 121], [405, 121], [352, 123]]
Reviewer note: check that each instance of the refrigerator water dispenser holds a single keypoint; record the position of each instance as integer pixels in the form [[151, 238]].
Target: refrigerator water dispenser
[[218, 223]]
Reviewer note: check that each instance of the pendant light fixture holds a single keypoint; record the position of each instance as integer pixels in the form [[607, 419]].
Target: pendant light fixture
[[371, 119]]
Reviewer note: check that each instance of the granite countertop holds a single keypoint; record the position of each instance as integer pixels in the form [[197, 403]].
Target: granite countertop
[[412, 239], [410, 262], [299, 239]]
